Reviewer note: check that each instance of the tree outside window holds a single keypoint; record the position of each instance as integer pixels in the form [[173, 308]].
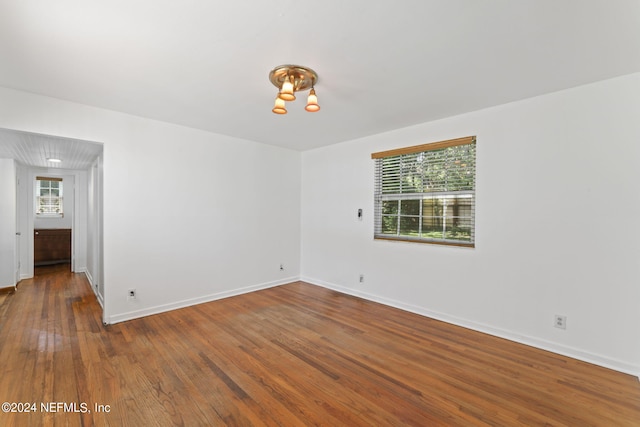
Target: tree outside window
[[426, 193]]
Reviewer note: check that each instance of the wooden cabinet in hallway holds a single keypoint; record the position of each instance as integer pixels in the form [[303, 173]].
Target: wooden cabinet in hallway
[[51, 246]]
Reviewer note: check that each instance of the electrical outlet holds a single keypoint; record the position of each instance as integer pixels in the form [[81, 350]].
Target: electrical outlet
[[131, 294], [560, 321], [362, 278]]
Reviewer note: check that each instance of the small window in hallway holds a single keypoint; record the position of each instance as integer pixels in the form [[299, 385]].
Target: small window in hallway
[[48, 201]]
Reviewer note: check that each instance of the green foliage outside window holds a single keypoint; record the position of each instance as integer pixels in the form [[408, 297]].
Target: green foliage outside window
[[427, 195]]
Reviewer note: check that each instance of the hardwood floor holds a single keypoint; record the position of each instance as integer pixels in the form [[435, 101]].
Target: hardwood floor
[[291, 355]]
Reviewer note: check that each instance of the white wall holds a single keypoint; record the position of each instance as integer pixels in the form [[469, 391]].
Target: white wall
[[556, 225], [80, 194], [189, 216], [95, 265], [7, 223], [25, 220]]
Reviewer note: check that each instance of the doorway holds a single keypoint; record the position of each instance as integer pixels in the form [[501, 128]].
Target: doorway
[[18, 233], [54, 213], [34, 156]]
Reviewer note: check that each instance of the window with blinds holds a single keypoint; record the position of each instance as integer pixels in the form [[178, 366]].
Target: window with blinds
[[426, 193], [49, 197]]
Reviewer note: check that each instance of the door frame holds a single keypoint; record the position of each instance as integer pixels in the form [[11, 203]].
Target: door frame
[[18, 232]]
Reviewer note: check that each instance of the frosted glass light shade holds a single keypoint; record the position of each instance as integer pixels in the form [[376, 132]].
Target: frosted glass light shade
[[312, 102], [286, 93], [279, 107]]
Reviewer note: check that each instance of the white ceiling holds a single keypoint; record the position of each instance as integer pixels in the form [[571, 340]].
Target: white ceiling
[[34, 150], [382, 65]]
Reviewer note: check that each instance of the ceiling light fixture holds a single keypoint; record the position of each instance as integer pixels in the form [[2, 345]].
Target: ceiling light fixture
[[53, 160], [290, 79]]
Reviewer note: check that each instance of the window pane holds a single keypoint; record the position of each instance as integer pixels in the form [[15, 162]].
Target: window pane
[[435, 171], [461, 174], [390, 207], [389, 224], [447, 217], [431, 231], [409, 226], [48, 197], [432, 207], [411, 174], [390, 175], [410, 207]]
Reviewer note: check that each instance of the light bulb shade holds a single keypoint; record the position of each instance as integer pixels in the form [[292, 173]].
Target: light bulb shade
[[279, 107], [290, 79], [286, 93], [312, 102]]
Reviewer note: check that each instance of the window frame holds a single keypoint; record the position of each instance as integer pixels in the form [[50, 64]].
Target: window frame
[[384, 192], [37, 197]]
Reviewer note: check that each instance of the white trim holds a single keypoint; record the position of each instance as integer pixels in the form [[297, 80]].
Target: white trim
[[93, 287], [194, 301], [89, 278], [553, 347]]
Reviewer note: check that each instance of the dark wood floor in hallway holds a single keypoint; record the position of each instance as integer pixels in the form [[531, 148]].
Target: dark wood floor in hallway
[[291, 355]]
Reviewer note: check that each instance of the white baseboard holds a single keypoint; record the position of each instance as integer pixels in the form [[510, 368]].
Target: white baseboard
[[90, 279], [122, 317], [93, 287], [553, 347]]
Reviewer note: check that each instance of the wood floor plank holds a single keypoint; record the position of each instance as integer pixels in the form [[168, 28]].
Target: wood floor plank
[[292, 355]]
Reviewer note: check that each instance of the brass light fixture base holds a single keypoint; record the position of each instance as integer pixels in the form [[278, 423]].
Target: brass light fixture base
[[303, 78]]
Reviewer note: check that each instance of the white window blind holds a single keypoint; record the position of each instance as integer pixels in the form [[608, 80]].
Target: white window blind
[[426, 193]]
